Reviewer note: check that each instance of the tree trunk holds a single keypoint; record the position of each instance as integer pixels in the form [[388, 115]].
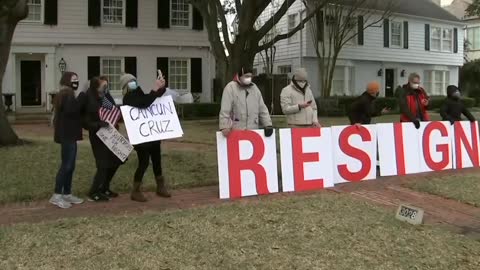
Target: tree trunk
[[8, 22]]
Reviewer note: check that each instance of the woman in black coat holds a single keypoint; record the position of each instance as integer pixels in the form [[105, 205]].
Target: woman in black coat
[[107, 163]]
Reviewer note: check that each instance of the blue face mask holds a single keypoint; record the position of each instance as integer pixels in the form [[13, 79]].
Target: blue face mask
[[132, 85]]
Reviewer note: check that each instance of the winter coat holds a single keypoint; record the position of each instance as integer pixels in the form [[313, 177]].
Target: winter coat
[[452, 109], [243, 108], [290, 99], [362, 110], [104, 157], [67, 119], [139, 99], [411, 107]]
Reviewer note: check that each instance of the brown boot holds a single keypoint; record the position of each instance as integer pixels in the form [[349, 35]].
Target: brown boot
[[161, 188], [137, 194]]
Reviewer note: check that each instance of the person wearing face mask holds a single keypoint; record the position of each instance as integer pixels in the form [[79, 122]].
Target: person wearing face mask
[[361, 111], [298, 103], [68, 130], [243, 107], [413, 101], [135, 97], [453, 107]]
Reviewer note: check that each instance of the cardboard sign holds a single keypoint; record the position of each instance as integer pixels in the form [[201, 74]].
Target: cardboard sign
[[355, 153], [247, 164], [115, 142], [155, 123], [465, 142]]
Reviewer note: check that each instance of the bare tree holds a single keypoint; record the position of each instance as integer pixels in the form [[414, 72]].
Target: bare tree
[[339, 23], [11, 12], [269, 53], [233, 53]]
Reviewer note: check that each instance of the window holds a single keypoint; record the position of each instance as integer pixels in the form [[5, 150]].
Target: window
[[180, 13], [112, 68], [441, 39], [292, 23], [113, 11], [396, 34], [436, 81], [473, 37], [284, 69], [35, 11], [342, 83], [179, 75]]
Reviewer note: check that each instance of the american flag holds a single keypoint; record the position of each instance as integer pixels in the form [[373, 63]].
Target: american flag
[[109, 112]]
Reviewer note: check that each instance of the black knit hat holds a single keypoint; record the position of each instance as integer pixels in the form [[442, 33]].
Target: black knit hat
[[245, 70]]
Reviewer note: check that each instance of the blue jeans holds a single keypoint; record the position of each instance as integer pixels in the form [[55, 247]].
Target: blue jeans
[[63, 183]]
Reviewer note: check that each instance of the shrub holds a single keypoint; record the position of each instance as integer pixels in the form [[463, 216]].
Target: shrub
[[337, 106], [198, 110]]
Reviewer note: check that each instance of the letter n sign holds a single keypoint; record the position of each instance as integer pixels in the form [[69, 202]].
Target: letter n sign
[[247, 164]]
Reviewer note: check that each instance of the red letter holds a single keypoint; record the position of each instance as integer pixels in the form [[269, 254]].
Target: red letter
[[299, 158], [442, 148], [355, 153], [461, 139], [235, 165], [399, 152]]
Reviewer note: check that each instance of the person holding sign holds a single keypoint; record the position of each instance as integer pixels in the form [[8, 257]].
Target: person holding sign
[[298, 102], [413, 101], [453, 107], [135, 97], [107, 163], [361, 111], [243, 106]]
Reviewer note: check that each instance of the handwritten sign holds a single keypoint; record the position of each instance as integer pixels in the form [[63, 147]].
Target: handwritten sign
[[115, 142], [410, 214], [155, 123]]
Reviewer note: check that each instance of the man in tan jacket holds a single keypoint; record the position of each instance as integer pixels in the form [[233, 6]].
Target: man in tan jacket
[[298, 102], [243, 106]]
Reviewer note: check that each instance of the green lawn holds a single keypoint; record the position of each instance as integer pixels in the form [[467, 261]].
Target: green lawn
[[464, 188], [323, 231]]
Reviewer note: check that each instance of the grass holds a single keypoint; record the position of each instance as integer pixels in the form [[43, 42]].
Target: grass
[[323, 231], [464, 188]]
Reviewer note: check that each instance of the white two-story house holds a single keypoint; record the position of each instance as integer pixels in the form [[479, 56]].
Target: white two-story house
[[420, 37], [107, 37]]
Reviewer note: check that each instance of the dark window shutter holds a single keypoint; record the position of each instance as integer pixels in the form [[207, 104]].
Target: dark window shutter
[[320, 26], [197, 23], [196, 75], [163, 13], [427, 37], [386, 33], [360, 25], [51, 12], [455, 40], [94, 12], [405, 35], [162, 64], [93, 66], [131, 19], [131, 65]]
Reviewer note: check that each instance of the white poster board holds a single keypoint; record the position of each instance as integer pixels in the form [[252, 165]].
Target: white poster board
[[155, 123], [465, 142], [435, 147], [115, 141]]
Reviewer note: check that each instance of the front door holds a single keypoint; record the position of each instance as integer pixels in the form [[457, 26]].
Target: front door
[[31, 83], [389, 82]]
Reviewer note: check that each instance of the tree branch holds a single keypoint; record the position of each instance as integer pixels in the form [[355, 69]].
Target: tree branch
[[223, 20], [273, 20]]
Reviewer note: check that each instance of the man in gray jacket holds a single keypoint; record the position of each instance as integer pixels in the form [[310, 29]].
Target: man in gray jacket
[[243, 106]]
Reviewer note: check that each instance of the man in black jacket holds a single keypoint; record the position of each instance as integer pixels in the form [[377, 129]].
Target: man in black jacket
[[453, 108], [361, 111]]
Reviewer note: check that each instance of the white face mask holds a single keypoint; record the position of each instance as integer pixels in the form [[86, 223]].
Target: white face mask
[[132, 85], [415, 85], [302, 84], [246, 81]]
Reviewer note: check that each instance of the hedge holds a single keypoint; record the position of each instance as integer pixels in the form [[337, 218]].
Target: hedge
[[198, 110]]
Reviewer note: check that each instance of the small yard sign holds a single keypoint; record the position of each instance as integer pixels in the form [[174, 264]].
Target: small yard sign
[[115, 142], [410, 214]]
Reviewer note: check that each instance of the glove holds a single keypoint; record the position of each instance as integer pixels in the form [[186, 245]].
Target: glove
[[104, 124], [416, 123], [452, 122], [268, 131]]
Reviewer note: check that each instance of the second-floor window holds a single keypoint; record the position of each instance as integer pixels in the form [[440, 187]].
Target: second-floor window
[[292, 23], [473, 37], [180, 13], [441, 39], [113, 12], [35, 11], [113, 69], [396, 34]]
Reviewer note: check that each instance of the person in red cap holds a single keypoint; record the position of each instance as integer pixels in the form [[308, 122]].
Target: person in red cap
[[361, 111], [413, 101]]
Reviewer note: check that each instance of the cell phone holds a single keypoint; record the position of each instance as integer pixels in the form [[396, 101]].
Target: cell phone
[[160, 75]]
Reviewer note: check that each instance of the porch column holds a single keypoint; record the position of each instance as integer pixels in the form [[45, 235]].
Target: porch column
[[50, 85]]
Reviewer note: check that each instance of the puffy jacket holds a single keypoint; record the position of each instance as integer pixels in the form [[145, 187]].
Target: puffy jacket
[[452, 109], [411, 106], [362, 110], [67, 119], [243, 108], [290, 99]]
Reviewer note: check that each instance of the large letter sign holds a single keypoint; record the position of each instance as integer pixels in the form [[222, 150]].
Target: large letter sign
[[307, 161], [247, 164], [465, 143], [355, 153], [435, 148]]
